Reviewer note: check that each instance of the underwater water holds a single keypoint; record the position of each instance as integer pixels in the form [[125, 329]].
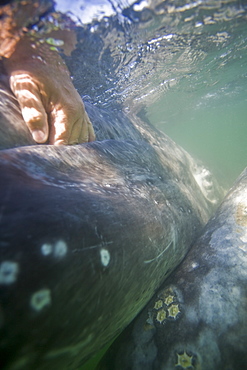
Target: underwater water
[[181, 65]]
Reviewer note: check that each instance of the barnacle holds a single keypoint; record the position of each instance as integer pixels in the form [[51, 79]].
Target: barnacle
[[184, 360], [161, 315], [173, 311], [166, 293], [158, 304], [168, 300]]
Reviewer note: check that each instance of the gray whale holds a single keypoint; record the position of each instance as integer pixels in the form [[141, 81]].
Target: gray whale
[[88, 233], [197, 319]]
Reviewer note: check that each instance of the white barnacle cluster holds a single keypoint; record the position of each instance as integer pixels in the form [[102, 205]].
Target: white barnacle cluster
[[58, 249], [167, 306], [105, 257], [8, 272]]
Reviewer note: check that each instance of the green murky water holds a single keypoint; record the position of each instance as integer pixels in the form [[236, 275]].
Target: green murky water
[[183, 64], [214, 134], [207, 113]]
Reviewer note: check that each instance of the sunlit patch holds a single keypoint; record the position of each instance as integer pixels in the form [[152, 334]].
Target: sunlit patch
[[243, 247], [105, 257], [31, 114], [206, 183], [40, 299], [139, 7], [8, 272]]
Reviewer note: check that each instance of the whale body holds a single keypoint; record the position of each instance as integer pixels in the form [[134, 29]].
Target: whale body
[[88, 233], [197, 319]]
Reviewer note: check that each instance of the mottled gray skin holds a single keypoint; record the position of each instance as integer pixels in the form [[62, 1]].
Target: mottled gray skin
[[88, 233], [205, 302]]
